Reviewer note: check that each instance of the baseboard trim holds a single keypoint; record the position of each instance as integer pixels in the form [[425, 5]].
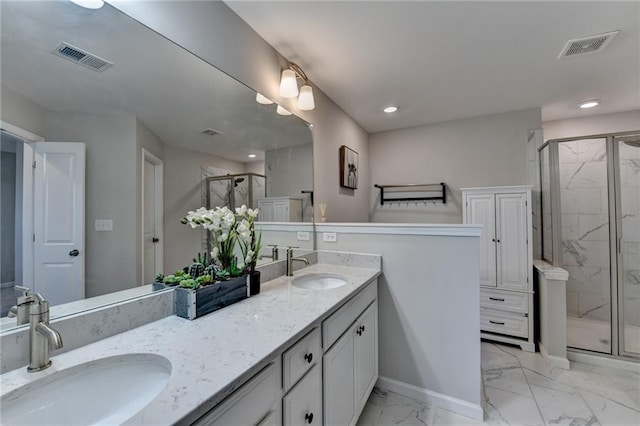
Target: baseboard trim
[[604, 361], [437, 399], [553, 360]]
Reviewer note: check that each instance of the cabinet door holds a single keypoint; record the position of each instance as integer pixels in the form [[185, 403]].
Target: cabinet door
[[281, 211], [303, 405], [511, 219], [338, 372], [481, 211], [266, 211], [366, 354]]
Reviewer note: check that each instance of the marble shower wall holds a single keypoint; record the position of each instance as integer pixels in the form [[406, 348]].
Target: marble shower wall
[[585, 228], [630, 206]]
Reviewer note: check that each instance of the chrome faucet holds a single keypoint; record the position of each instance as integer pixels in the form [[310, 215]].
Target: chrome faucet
[[42, 336], [274, 253], [21, 310], [291, 259]]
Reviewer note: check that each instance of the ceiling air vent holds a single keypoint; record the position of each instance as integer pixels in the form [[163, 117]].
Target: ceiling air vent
[[591, 44], [211, 132], [81, 57]]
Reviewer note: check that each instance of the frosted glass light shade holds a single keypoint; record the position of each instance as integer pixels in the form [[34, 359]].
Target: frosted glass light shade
[[89, 4], [305, 100], [261, 99], [288, 84], [282, 111]]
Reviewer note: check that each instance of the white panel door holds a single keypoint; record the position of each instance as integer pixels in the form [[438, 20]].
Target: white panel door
[[281, 211], [366, 354], [152, 217], [266, 213], [481, 211], [59, 182], [511, 240]]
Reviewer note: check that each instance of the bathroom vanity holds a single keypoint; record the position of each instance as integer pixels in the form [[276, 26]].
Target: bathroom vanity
[[266, 360]]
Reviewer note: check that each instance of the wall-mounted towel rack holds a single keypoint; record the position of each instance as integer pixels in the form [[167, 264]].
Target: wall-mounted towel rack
[[413, 189]]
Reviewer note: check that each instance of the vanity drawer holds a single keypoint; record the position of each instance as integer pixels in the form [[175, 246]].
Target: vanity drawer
[[254, 403], [504, 301], [299, 358], [336, 324], [504, 323], [303, 405]]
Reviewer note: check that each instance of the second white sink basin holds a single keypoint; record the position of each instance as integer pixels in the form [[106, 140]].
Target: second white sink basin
[[105, 391], [319, 281]]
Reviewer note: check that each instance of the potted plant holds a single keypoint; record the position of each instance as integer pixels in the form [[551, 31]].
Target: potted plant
[[211, 283], [250, 243]]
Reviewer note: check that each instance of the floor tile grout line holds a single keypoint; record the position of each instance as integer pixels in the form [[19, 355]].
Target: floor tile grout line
[[542, 417], [588, 406]]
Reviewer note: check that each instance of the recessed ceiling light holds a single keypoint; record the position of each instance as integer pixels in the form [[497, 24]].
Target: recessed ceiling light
[[390, 109], [89, 4], [251, 156], [590, 104]]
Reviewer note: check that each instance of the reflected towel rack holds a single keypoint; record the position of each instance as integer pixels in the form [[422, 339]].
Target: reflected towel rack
[[413, 188]]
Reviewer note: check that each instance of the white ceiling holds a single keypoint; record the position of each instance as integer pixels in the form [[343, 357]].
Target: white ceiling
[[441, 61], [176, 94]]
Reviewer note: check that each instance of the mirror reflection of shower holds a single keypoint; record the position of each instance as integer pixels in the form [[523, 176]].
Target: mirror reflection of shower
[[234, 190]]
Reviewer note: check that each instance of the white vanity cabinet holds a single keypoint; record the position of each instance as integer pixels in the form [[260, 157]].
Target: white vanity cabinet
[[325, 378], [280, 209], [506, 261], [350, 366]]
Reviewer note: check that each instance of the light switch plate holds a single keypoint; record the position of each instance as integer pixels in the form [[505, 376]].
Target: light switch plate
[[303, 236], [103, 225], [329, 237]]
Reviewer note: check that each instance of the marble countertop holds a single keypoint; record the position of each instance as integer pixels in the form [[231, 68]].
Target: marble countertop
[[213, 355]]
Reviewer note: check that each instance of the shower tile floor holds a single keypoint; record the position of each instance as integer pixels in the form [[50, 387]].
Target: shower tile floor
[[521, 389]]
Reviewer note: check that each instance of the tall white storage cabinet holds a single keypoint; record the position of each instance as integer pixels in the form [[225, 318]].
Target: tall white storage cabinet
[[280, 209], [506, 261]]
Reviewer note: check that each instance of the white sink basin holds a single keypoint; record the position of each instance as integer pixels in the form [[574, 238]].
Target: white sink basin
[[319, 281], [105, 391]]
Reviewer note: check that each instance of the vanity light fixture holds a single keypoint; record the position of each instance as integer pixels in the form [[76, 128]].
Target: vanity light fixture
[[590, 104], [289, 87], [261, 99], [390, 109], [282, 111], [89, 4]]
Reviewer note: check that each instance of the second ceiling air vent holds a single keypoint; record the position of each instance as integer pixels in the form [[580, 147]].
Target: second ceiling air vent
[[211, 132], [81, 57], [591, 44]]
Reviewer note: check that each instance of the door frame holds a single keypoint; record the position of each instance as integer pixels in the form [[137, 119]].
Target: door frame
[[28, 157], [148, 156]]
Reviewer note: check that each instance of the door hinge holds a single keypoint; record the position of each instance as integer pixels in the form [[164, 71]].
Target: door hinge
[[33, 238], [33, 164]]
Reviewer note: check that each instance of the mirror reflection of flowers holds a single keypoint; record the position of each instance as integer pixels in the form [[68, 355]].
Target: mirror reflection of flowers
[[250, 241]]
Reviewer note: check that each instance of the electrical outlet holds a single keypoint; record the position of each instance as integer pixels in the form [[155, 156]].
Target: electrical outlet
[[303, 236], [103, 225], [330, 237]]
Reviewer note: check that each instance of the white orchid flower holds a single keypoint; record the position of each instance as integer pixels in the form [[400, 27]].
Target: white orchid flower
[[252, 213], [249, 257], [222, 238], [241, 210], [215, 253]]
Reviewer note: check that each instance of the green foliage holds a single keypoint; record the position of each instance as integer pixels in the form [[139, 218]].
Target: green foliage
[[172, 279], [189, 283], [204, 279], [231, 271], [159, 278]]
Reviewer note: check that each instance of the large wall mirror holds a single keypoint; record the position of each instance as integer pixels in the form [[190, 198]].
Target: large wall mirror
[[148, 129]]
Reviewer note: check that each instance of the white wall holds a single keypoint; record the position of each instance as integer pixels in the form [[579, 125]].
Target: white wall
[[111, 257], [592, 125], [18, 110], [428, 301], [182, 192], [215, 33], [482, 151], [283, 164]]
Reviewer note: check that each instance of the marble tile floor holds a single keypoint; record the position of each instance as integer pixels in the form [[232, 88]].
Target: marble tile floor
[[594, 335], [522, 389]]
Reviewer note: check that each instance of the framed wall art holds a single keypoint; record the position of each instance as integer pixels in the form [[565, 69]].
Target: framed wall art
[[348, 168]]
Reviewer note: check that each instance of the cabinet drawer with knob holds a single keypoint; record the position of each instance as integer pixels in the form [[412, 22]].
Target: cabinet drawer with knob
[[303, 404], [300, 358], [504, 300], [504, 323]]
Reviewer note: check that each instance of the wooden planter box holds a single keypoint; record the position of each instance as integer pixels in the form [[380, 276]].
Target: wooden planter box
[[192, 304]]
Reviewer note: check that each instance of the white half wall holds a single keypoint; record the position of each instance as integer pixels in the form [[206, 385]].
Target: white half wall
[[281, 165], [215, 33], [592, 125], [429, 306], [481, 151]]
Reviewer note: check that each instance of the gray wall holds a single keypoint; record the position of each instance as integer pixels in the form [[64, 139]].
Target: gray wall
[[7, 213], [111, 184], [216, 34], [592, 125], [482, 151], [21, 112], [290, 171]]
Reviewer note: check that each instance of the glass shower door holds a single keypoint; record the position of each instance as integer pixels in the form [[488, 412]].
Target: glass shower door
[[628, 229], [585, 242]]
